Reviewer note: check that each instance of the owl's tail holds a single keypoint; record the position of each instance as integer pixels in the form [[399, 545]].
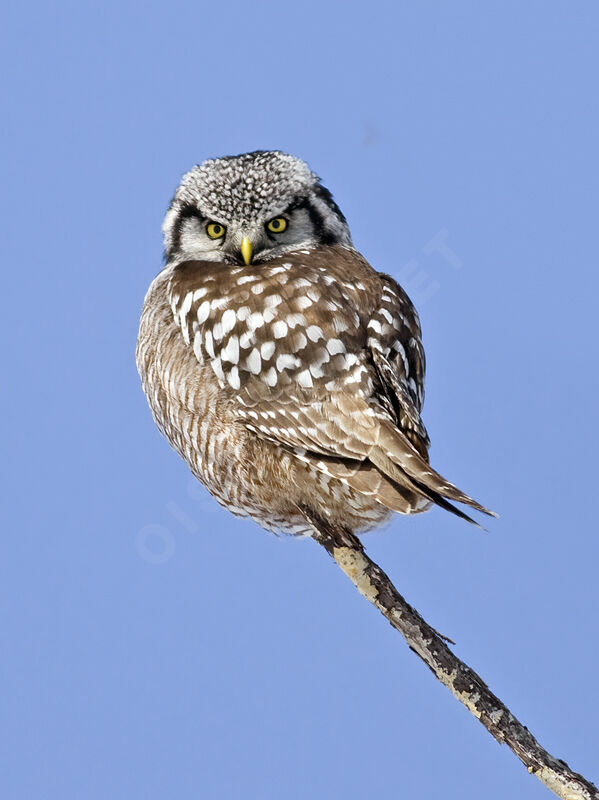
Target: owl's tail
[[397, 459]]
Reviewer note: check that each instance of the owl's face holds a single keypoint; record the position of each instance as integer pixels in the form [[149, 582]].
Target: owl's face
[[250, 208]]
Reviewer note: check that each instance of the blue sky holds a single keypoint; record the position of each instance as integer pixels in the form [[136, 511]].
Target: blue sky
[[153, 645]]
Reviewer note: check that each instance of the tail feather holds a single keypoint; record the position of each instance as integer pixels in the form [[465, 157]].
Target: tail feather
[[365, 478], [396, 457], [395, 474]]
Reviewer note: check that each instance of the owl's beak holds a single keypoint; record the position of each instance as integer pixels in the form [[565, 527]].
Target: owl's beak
[[246, 250]]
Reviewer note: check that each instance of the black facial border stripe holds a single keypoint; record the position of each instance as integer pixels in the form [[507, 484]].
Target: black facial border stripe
[[323, 236]]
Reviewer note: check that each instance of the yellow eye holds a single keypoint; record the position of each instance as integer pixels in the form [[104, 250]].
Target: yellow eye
[[277, 225], [215, 230]]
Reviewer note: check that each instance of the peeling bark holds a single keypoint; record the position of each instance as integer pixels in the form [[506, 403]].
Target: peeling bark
[[463, 682]]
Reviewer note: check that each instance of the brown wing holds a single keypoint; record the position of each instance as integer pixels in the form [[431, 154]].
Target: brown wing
[[398, 356], [317, 352]]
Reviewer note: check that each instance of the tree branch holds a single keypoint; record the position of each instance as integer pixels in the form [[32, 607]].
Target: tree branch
[[463, 682]]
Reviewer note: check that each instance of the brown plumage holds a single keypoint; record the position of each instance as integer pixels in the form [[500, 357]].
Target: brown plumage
[[293, 383]]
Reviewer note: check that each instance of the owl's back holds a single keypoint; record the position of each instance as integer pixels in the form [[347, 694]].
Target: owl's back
[[262, 378]]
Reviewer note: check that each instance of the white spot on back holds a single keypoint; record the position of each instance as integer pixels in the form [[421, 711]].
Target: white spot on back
[[303, 302], [233, 378], [228, 321], [267, 349], [279, 329], [273, 300], [246, 339], [209, 343], [231, 351], [305, 379], [218, 369], [255, 320], [254, 362], [314, 333], [185, 308], [270, 377], [301, 283], [286, 361], [335, 346], [203, 312], [293, 320]]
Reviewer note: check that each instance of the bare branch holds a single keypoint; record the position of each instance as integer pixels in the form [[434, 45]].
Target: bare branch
[[463, 682]]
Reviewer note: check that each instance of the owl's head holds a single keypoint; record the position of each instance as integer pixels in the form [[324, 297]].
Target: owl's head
[[250, 208]]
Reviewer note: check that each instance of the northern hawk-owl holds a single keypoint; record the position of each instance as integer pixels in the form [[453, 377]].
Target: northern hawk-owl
[[278, 363]]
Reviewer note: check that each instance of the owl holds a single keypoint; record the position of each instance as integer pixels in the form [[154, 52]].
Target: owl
[[284, 369]]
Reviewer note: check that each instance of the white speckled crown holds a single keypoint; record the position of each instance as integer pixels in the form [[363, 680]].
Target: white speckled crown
[[246, 187]]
